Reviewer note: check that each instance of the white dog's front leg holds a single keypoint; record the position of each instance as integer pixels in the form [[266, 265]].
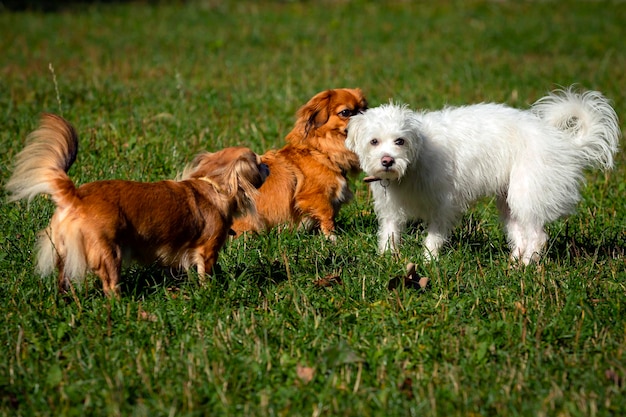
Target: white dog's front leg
[[389, 235], [435, 239]]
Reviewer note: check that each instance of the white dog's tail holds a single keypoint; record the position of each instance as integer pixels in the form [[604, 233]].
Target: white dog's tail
[[589, 120]]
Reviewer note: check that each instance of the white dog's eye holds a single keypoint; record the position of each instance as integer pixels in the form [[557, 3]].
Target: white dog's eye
[[374, 142], [399, 142]]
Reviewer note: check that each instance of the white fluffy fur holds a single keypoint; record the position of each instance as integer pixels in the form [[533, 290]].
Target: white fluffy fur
[[439, 162]]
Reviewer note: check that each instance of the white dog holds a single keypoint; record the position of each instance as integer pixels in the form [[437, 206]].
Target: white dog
[[432, 165]]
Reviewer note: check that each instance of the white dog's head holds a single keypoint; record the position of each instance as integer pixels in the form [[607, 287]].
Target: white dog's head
[[386, 140]]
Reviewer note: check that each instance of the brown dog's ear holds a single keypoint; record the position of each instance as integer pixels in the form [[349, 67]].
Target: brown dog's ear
[[242, 173], [316, 112], [196, 168], [240, 188]]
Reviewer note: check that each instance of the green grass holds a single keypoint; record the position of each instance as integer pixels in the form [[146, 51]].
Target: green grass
[[149, 86]]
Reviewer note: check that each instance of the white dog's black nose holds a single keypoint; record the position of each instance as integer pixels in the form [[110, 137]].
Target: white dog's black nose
[[387, 161]]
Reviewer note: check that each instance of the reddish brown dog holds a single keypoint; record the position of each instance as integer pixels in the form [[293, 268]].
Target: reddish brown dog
[[308, 175], [177, 223]]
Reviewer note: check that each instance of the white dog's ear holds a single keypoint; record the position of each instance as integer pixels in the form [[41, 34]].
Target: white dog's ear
[[412, 126], [354, 131], [413, 122]]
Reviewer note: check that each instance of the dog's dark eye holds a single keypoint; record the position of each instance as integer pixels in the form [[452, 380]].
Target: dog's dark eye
[[346, 113], [374, 142], [399, 142]]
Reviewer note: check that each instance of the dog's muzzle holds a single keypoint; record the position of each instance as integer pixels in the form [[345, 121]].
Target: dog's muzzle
[[387, 161]]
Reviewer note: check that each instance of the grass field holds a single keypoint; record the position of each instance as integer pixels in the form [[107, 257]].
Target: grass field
[[149, 86]]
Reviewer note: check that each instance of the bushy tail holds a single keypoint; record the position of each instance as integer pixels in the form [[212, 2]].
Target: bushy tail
[[589, 120], [41, 167]]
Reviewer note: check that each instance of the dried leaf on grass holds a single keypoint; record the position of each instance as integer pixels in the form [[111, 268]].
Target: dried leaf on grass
[[305, 373], [406, 387], [174, 293], [614, 377], [144, 315], [339, 354], [410, 280], [328, 281]]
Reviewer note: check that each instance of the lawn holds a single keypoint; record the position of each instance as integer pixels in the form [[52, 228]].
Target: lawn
[[150, 85]]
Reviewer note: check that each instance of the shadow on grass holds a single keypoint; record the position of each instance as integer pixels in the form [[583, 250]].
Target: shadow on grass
[[470, 236], [577, 244], [146, 281], [489, 241], [141, 281], [261, 273]]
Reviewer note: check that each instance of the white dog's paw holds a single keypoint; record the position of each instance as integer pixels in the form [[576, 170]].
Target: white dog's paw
[[432, 245], [429, 256], [389, 244]]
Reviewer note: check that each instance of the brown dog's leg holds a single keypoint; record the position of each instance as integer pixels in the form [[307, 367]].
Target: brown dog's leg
[[201, 271], [327, 226], [205, 262], [110, 276], [324, 215], [63, 281], [108, 267]]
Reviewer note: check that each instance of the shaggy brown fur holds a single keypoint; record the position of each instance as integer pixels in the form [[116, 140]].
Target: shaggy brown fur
[[308, 175], [177, 223]]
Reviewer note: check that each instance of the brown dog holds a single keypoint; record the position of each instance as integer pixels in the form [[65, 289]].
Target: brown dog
[[177, 223], [308, 181]]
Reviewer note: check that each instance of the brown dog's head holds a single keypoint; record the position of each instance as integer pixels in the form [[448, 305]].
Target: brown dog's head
[[234, 172], [322, 124], [328, 112]]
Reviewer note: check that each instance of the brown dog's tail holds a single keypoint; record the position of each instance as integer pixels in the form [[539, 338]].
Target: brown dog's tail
[[41, 167]]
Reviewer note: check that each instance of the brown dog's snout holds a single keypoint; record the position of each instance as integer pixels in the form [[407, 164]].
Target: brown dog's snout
[[387, 161]]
